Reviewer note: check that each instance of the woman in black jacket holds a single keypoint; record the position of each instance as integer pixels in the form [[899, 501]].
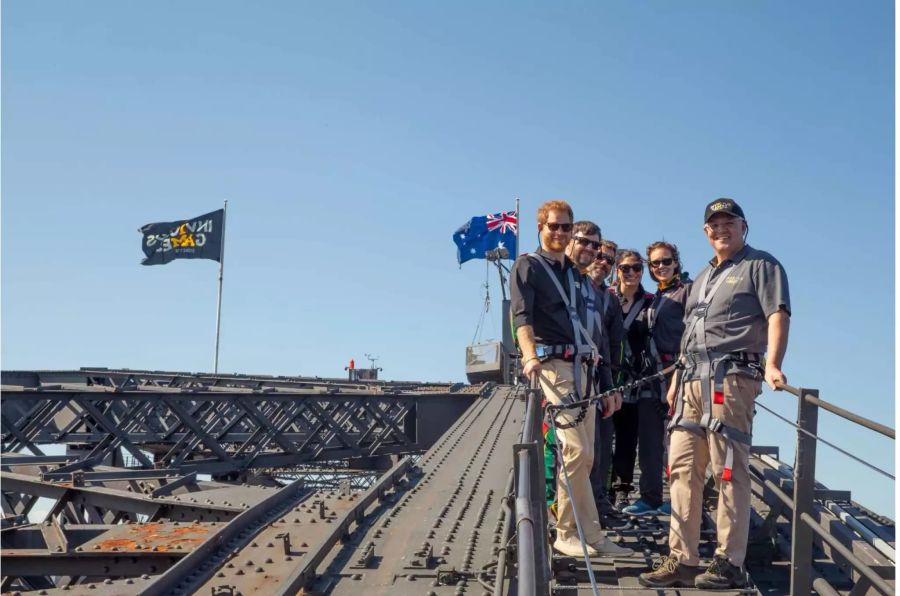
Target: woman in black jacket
[[665, 321], [638, 420]]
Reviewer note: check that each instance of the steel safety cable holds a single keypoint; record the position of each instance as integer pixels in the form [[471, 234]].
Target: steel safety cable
[[832, 445], [552, 409]]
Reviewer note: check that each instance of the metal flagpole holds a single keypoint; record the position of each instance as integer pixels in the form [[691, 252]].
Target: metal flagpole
[[219, 301], [518, 224]]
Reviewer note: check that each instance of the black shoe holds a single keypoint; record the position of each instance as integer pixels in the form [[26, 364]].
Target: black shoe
[[621, 501], [613, 521], [721, 575], [668, 573]]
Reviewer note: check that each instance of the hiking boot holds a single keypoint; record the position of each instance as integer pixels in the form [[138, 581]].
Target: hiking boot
[[721, 575], [639, 507], [668, 573], [621, 501]]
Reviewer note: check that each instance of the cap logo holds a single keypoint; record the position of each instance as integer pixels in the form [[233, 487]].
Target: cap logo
[[719, 206]]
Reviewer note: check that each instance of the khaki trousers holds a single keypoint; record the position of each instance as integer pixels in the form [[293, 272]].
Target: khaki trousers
[[576, 448], [689, 455]]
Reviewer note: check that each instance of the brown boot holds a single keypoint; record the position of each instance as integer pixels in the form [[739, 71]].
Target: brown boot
[[669, 573], [721, 575]]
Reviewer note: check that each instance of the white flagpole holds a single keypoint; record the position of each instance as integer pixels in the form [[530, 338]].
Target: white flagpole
[[219, 300]]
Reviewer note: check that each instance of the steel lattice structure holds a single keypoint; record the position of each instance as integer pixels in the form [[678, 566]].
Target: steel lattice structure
[[331, 487], [218, 428]]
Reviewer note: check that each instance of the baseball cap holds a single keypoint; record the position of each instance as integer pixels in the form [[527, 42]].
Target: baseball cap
[[723, 205]]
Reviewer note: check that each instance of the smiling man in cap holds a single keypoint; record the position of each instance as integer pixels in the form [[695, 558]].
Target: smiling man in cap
[[737, 318]]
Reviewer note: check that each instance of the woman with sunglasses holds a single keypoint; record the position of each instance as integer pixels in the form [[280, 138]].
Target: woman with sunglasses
[[665, 322], [640, 419]]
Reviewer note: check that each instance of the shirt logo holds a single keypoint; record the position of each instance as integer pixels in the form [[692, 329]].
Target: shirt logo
[[733, 279]]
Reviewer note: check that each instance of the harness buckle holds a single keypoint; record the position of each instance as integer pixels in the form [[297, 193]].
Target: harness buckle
[[715, 425], [700, 310]]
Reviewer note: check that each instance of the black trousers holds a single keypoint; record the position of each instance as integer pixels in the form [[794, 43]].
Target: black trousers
[[603, 450], [640, 428]]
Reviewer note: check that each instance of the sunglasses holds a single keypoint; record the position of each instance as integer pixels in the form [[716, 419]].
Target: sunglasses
[[661, 262], [609, 260], [554, 227], [627, 268], [585, 242]]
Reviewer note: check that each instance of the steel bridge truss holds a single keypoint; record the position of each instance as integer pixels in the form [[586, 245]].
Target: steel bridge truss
[[210, 429]]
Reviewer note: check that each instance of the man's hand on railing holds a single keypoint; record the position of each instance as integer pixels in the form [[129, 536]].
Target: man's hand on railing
[[774, 377], [532, 369]]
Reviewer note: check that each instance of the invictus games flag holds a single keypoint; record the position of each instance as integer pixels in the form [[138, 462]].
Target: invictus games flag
[[488, 232], [196, 238]]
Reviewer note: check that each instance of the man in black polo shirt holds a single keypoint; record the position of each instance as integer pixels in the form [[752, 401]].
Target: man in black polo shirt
[[552, 345]]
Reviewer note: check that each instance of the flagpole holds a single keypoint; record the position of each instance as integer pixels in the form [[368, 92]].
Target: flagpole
[[219, 300], [518, 225]]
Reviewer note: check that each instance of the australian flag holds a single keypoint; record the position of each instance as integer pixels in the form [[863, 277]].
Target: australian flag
[[488, 232]]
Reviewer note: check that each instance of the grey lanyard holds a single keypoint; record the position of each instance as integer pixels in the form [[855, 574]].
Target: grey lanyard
[[596, 321], [700, 310], [633, 313]]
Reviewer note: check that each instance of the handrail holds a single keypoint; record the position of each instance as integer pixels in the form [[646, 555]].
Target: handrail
[[533, 568], [803, 524], [838, 411]]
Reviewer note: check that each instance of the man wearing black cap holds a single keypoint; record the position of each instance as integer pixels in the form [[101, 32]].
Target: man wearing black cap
[[737, 319]]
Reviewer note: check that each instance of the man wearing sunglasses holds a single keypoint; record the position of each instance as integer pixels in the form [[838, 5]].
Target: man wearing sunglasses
[[585, 250], [601, 270], [737, 318], [550, 315]]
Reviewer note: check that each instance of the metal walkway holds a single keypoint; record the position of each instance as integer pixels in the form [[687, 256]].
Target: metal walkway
[[444, 517]]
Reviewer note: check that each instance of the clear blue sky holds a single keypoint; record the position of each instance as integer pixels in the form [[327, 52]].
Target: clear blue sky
[[352, 138]]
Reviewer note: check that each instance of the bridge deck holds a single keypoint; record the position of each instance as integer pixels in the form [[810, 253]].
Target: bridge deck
[[431, 525]]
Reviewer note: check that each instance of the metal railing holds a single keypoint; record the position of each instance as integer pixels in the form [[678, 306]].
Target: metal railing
[[533, 569], [533, 573], [803, 522]]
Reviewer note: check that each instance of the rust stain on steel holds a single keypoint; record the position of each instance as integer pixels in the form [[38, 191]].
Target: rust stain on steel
[[158, 537]]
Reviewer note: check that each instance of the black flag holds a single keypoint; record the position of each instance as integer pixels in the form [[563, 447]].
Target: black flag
[[195, 238]]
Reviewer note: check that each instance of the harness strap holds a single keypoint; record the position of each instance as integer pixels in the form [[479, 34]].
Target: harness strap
[[711, 371], [595, 321], [626, 324], [571, 305], [654, 349], [580, 333]]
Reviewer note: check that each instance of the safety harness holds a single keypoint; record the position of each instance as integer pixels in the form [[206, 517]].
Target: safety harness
[[710, 366], [628, 354], [584, 348], [595, 319], [660, 359]]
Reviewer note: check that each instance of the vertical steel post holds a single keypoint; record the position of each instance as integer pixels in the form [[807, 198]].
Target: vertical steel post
[[804, 489]]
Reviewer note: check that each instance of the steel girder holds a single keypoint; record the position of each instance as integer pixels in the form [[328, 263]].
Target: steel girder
[[217, 431], [130, 379]]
